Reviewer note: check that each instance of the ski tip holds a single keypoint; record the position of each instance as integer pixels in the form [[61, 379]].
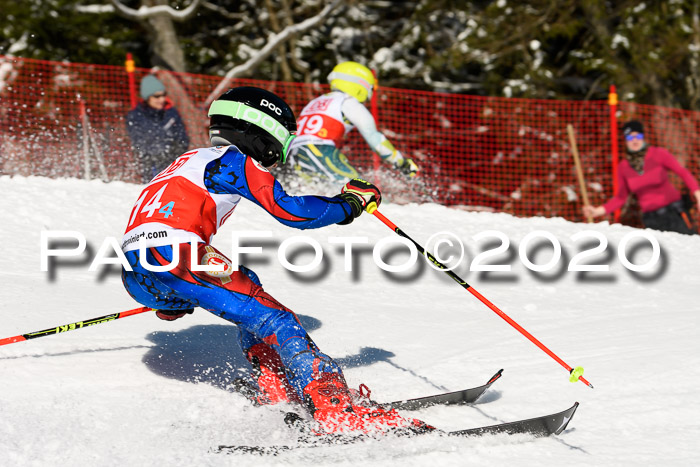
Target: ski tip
[[496, 376], [567, 416]]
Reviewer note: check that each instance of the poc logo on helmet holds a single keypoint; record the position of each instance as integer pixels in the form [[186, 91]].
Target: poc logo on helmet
[[271, 106]]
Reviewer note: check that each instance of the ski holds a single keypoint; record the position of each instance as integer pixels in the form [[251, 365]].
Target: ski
[[546, 425], [465, 396], [539, 426]]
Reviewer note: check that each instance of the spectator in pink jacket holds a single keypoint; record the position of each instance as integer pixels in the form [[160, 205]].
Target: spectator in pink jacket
[[645, 173]]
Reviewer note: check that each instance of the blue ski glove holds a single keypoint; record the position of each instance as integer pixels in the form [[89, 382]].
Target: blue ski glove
[[360, 195]]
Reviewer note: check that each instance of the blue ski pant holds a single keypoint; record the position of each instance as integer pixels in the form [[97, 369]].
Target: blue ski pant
[[238, 298]]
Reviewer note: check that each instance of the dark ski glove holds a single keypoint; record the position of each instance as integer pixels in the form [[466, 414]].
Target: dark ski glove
[[360, 195], [172, 315]]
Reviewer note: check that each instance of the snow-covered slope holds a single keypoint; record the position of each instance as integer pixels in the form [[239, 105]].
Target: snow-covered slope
[[141, 391]]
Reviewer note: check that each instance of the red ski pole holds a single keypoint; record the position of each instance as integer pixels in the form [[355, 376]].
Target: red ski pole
[[73, 326], [576, 373]]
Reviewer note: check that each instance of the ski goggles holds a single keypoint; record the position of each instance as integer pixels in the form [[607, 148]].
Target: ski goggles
[[633, 137], [285, 147]]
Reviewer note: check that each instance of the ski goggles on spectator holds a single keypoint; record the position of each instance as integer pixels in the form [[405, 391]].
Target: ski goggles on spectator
[[633, 137]]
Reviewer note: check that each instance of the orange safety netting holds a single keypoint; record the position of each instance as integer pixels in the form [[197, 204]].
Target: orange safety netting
[[497, 154]]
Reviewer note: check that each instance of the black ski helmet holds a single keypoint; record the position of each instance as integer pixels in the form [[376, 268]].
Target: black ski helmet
[[256, 121]]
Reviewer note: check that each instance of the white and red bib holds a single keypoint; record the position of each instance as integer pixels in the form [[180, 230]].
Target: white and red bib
[[176, 207], [322, 122]]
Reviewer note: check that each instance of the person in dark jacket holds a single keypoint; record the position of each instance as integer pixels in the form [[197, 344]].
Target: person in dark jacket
[[157, 132]]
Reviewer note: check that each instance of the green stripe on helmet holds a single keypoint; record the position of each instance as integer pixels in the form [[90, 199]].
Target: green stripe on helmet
[[257, 117]]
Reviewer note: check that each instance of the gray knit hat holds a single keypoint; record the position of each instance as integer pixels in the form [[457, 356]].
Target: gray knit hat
[[150, 85]]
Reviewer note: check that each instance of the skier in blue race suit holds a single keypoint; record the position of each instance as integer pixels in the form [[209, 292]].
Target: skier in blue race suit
[[185, 205]]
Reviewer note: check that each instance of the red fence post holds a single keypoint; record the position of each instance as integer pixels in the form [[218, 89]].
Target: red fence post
[[374, 108], [86, 139], [132, 84], [612, 102]]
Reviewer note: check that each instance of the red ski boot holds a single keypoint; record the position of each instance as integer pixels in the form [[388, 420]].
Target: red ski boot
[[268, 371], [329, 401]]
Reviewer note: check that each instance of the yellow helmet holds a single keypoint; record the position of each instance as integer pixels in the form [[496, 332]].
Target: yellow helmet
[[354, 79]]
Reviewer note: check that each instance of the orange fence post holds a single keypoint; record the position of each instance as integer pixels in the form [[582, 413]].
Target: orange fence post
[[132, 84], [612, 103]]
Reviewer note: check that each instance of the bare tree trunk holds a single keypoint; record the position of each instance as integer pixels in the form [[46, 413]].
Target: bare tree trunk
[[298, 65], [160, 16], [282, 49], [165, 43], [693, 78]]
